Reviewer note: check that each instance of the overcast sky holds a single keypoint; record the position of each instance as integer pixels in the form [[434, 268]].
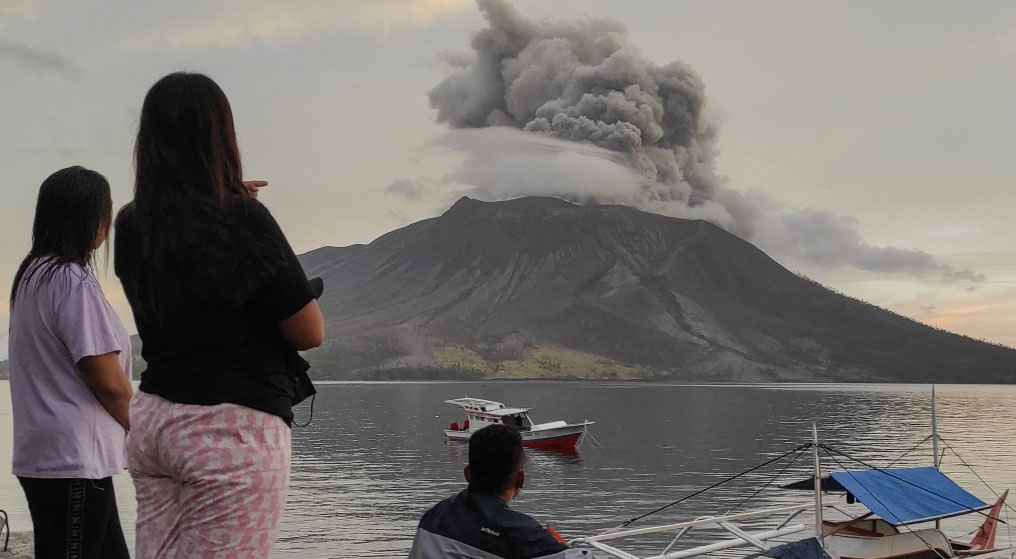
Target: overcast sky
[[897, 118]]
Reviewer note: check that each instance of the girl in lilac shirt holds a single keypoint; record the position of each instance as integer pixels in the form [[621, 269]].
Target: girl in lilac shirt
[[70, 360]]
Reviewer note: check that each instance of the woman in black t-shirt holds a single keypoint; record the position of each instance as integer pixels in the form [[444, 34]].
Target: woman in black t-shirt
[[221, 303]]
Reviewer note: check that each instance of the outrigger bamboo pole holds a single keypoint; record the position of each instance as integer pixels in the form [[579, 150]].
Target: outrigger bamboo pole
[[934, 430], [819, 530], [934, 440]]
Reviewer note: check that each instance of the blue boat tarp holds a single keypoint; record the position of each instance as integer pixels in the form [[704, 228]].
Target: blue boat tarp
[[908, 495]]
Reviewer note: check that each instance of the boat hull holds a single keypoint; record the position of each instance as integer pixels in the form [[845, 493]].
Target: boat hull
[[907, 545], [566, 438]]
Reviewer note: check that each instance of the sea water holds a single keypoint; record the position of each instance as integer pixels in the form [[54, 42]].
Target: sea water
[[374, 457]]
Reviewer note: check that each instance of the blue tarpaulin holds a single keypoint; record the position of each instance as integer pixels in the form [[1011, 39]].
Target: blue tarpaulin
[[908, 495]]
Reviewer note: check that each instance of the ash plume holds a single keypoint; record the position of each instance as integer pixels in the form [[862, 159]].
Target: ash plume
[[567, 85], [584, 81]]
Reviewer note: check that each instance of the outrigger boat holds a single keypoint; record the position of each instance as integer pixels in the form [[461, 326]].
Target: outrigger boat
[[895, 499], [481, 413]]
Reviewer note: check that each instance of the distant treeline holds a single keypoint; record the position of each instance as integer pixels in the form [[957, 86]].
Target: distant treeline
[[325, 372]]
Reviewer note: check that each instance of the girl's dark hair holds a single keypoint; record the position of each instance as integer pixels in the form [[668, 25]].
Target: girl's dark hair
[[187, 168], [186, 148], [74, 208]]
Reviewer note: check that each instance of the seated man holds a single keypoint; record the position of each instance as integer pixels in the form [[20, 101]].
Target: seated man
[[477, 522]]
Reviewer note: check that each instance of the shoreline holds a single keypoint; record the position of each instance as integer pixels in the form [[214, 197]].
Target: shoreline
[[21, 546]]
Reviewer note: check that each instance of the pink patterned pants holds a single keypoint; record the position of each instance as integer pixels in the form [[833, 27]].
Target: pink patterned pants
[[211, 481]]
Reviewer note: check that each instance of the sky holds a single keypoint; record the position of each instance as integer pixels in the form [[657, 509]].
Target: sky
[[890, 124]]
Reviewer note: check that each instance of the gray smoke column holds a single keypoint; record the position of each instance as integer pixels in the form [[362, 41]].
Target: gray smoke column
[[585, 81], [542, 93]]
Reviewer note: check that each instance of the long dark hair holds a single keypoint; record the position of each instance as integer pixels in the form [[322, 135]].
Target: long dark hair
[[186, 147], [187, 167], [73, 210]]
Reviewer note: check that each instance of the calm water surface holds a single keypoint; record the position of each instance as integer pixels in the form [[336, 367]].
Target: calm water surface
[[374, 457]]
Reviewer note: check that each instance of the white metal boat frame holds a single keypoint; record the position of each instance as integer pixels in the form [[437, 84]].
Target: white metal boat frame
[[726, 522], [832, 537]]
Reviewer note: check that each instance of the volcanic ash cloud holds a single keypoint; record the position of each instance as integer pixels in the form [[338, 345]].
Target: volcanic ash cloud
[[584, 83]]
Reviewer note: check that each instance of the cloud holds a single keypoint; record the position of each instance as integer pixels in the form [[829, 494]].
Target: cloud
[[987, 313], [34, 59], [824, 239], [502, 163], [409, 189], [22, 10], [194, 25], [506, 163]]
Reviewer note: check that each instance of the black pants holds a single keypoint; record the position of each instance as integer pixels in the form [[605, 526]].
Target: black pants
[[74, 518]]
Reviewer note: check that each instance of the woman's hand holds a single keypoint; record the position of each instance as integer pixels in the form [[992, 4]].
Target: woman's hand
[[253, 187], [109, 383]]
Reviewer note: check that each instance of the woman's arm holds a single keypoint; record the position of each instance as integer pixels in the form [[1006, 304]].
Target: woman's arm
[[287, 298], [305, 329], [108, 382]]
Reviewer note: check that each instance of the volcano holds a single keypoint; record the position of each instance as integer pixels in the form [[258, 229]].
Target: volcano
[[543, 288]]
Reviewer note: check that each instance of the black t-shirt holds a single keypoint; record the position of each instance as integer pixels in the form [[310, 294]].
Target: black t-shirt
[[209, 321]]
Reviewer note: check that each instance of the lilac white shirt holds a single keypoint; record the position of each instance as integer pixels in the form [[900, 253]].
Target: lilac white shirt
[[61, 430]]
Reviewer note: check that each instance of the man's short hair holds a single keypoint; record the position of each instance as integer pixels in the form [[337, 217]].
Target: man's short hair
[[495, 453]]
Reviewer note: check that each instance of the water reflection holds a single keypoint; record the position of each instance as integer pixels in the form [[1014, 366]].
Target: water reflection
[[374, 458]]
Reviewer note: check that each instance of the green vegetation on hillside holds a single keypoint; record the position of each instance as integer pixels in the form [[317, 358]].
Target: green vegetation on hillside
[[546, 362]]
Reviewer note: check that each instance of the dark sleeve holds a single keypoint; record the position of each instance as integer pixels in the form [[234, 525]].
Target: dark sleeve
[[286, 291], [541, 543], [532, 539]]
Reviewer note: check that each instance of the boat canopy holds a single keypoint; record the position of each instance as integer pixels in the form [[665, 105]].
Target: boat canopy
[[489, 407], [507, 411], [908, 495]]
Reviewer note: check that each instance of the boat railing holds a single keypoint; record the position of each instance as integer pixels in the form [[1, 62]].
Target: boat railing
[[785, 515]]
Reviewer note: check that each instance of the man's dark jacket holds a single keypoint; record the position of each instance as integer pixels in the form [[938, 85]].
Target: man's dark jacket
[[474, 526]]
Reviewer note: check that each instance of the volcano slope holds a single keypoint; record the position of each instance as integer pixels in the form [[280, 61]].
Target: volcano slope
[[539, 287]]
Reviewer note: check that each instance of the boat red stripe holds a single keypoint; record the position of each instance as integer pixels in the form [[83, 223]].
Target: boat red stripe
[[568, 441]]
